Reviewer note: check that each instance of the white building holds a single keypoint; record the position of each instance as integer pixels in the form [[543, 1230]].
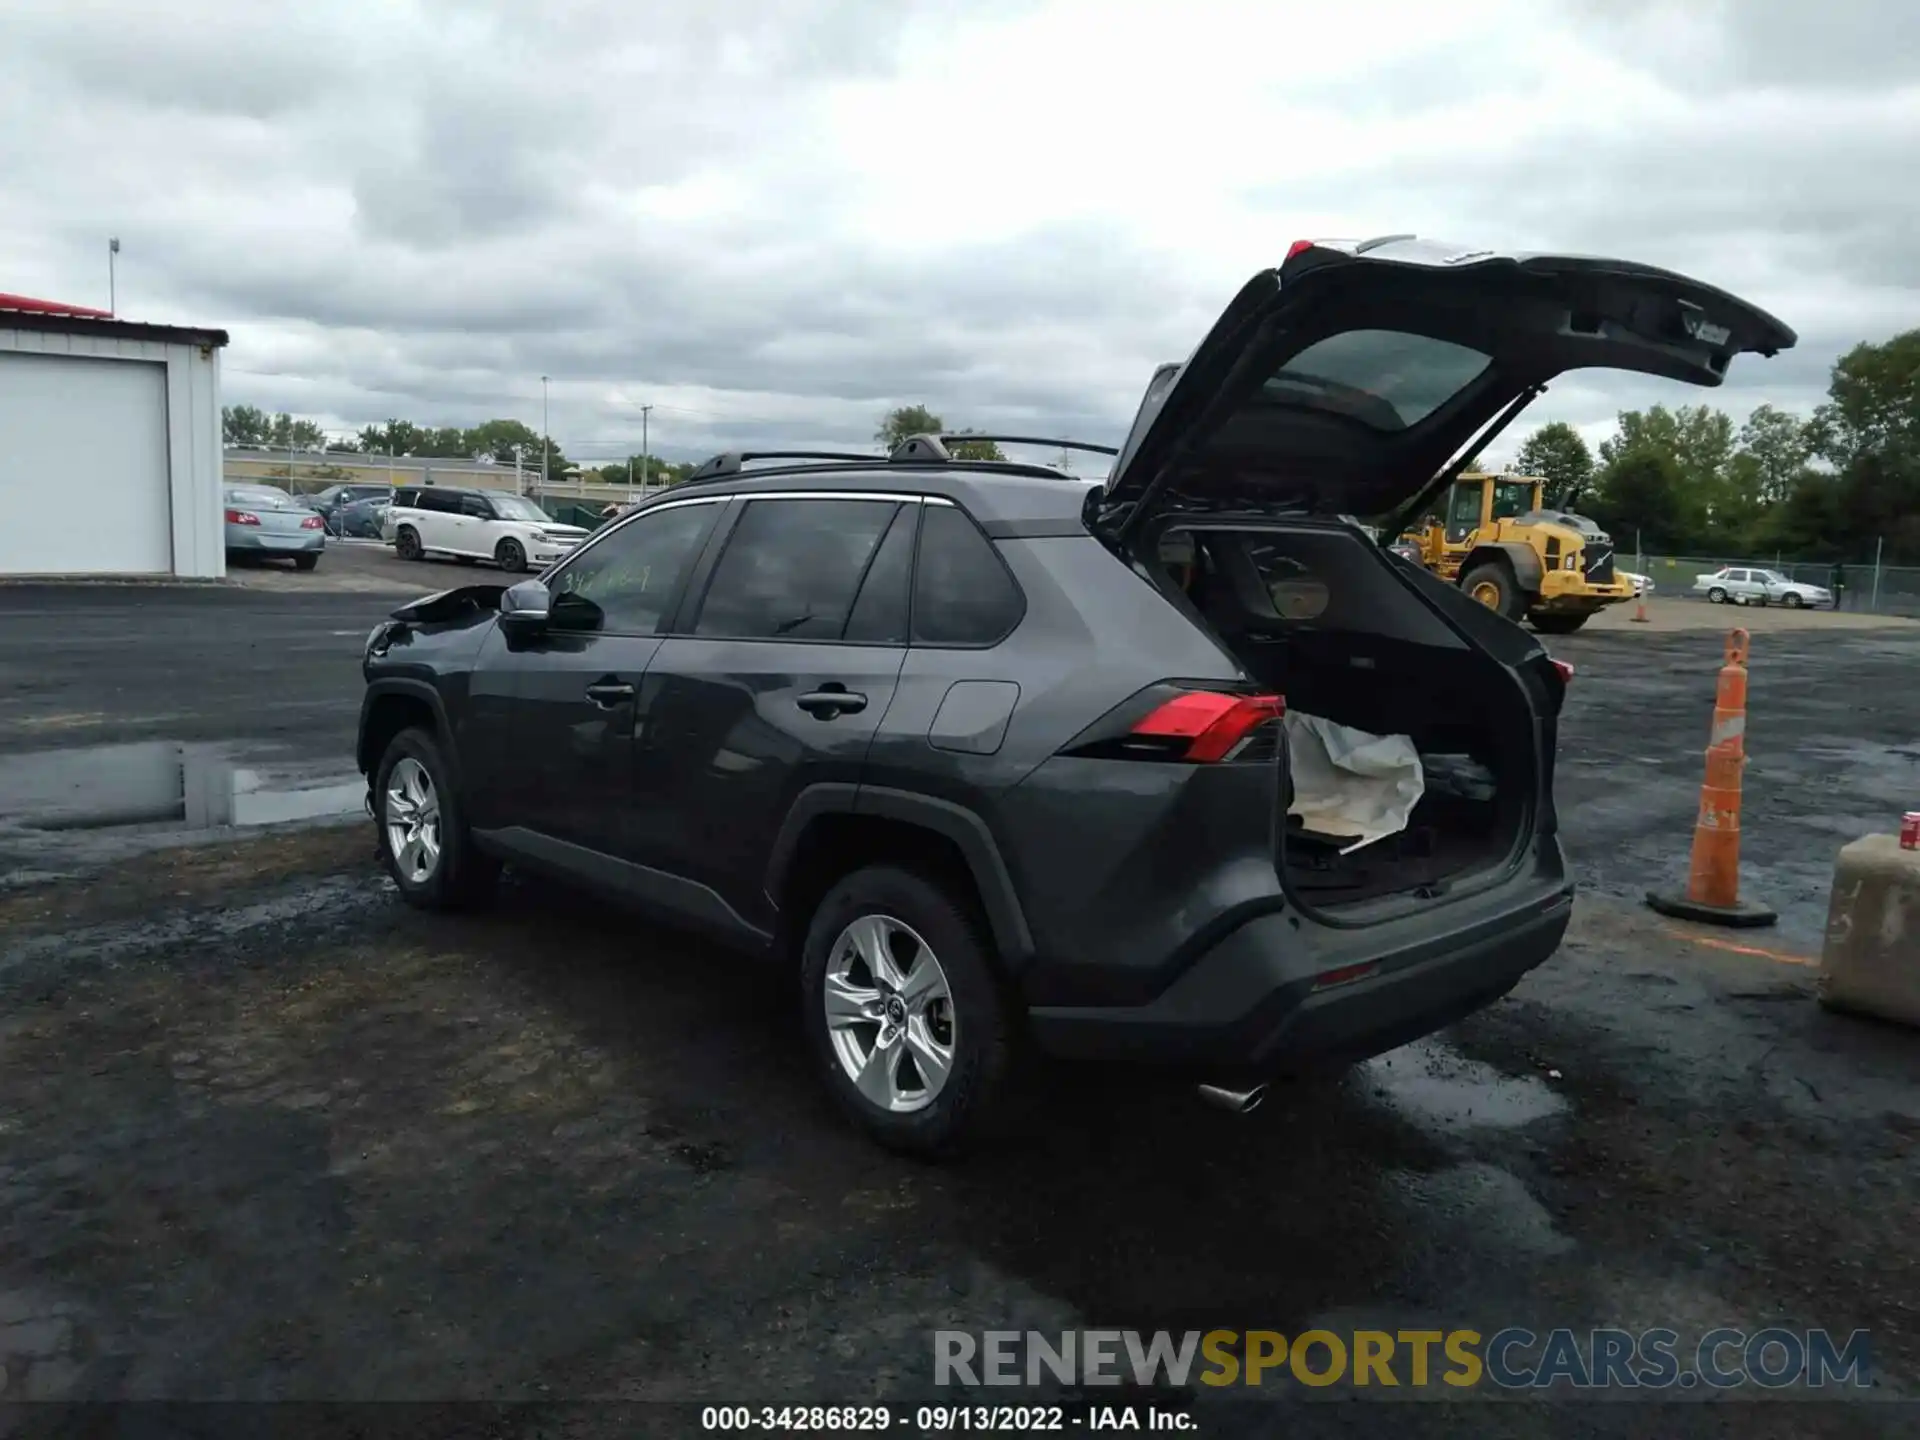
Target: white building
[[109, 445]]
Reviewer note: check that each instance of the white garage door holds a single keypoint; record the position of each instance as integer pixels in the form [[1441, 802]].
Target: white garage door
[[83, 467]]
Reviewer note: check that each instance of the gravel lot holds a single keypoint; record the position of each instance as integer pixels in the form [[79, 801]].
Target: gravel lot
[[265, 1134]]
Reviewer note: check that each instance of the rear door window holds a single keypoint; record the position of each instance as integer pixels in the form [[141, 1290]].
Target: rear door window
[[880, 614], [791, 568], [438, 502], [962, 592]]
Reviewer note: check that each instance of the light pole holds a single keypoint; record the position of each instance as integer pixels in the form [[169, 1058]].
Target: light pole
[[645, 410], [113, 299], [545, 446]]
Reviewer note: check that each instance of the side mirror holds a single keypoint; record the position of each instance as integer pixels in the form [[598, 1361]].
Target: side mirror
[[524, 608]]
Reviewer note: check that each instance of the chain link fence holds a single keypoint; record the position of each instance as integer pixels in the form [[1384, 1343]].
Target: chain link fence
[[1883, 589]]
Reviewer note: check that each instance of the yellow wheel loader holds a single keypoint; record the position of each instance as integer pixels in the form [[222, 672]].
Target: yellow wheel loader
[[1499, 542]]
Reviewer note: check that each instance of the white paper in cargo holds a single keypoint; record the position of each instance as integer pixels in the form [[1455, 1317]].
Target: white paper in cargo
[[1351, 785]]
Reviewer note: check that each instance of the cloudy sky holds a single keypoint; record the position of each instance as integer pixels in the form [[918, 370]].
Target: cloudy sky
[[773, 221]]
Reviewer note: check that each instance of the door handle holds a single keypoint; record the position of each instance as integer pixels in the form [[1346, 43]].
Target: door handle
[[826, 704], [609, 693]]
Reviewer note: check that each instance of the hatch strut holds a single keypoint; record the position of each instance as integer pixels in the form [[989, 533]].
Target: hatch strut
[[1397, 522]]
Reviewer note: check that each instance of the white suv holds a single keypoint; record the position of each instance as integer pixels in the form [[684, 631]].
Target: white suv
[[509, 530]]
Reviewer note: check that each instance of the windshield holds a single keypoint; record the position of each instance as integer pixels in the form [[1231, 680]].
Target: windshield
[[513, 507]]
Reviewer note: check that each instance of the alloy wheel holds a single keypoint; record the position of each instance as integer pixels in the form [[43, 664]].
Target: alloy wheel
[[889, 1013], [413, 821]]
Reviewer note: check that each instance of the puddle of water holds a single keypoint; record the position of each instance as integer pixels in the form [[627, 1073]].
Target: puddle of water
[[164, 784], [1431, 1084], [1477, 1208]]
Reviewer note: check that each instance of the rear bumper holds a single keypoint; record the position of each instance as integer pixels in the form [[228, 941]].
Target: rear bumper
[[246, 539], [1253, 1006]]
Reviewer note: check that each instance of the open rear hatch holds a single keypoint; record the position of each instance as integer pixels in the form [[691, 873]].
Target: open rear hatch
[[1351, 382], [1344, 381]]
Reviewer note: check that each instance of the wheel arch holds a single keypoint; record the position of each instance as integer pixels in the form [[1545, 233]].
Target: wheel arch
[[390, 706], [1520, 559], [833, 829]]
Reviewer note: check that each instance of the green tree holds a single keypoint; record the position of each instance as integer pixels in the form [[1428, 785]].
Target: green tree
[[445, 442], [1556, 453], [396, 437], [1873, 404], [1639, 498], [1697, 442], [498, 437], [910, 420], [287, 433], [650, 468], [1774, 449], [246, 425]]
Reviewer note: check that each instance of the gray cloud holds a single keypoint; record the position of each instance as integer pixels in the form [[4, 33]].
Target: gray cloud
[[420, 210]]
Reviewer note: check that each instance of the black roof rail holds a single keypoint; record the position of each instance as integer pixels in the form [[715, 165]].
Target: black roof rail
[[732, 462], [938, 447]]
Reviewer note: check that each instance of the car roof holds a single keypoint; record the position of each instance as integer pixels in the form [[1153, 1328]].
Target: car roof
[[991, 493]]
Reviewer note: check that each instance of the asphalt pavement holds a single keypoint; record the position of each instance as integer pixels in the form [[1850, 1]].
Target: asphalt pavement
[[267, 1134]]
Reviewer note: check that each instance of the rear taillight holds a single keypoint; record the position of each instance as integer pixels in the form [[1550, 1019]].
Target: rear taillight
[[312, 522], [1203, 726], [1565, 671], [242, 517], [1297, 246], [1183, 723]]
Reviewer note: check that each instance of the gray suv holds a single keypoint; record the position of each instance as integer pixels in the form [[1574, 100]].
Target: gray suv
[[989, 756]]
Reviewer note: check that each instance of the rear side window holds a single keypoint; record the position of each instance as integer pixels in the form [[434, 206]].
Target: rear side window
[[1385, 379], [791, 568], [962, 593], [439, 501], [408, 497]]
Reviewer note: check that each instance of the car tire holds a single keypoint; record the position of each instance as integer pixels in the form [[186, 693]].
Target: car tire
[[305, 562], [920, 921], [1793, 601], [406, 544], [1716, 596], [510, 555], [1496, 581], [446, 871]]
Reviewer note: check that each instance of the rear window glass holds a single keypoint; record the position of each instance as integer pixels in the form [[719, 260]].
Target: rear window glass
[[1385, 379]]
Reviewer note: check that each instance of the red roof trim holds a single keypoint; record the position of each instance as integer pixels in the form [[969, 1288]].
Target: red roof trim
[[51, 307]]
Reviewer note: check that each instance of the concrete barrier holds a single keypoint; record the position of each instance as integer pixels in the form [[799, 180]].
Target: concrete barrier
[[1871, 961]]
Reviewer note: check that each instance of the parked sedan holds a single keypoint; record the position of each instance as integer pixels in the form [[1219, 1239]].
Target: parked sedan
[[263, 521], [1744, 585]]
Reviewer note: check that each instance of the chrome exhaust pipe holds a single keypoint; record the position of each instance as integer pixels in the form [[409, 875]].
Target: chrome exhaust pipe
[[1235, 1102]]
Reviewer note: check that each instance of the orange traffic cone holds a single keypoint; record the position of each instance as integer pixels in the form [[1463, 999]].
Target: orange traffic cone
[[1640, 609], [1713, 880]]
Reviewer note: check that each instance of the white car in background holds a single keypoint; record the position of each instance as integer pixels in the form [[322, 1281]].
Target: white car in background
[[1750, 585], [470, 525], [1642, 584]]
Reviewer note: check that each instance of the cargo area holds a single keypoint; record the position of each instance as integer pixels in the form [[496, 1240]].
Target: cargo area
[[1314, 614]]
